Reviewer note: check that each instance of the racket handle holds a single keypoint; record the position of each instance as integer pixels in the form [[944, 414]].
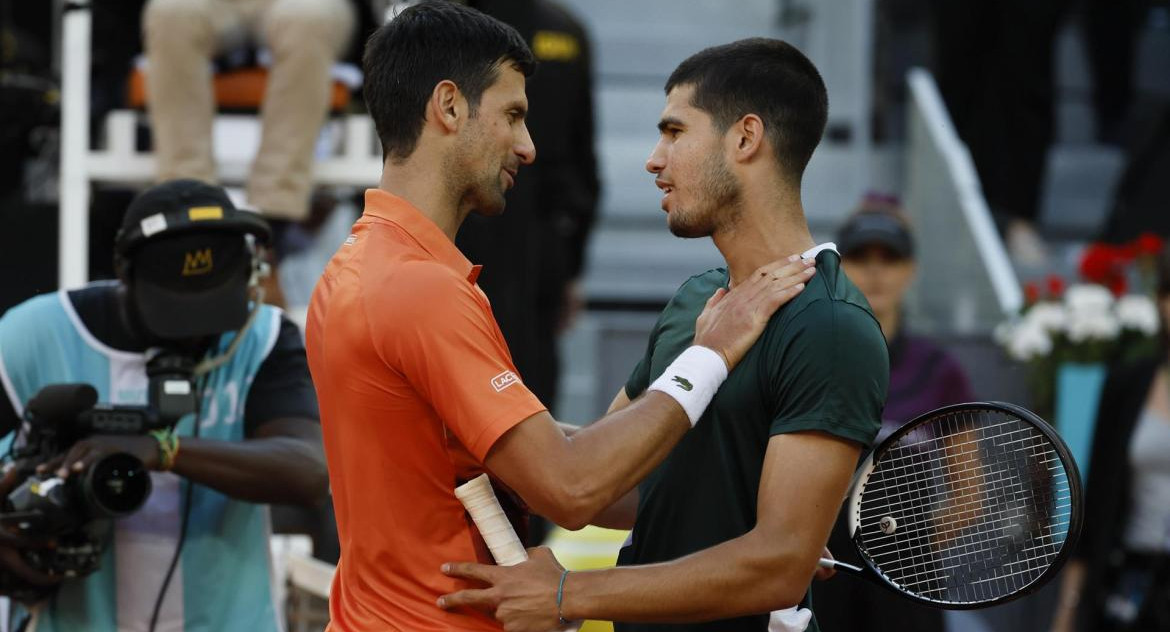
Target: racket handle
[[480, 501], [501, 539], [839, 566]]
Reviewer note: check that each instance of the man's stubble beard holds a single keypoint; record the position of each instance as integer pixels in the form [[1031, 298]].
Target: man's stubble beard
[[482, 193], [718, 204]]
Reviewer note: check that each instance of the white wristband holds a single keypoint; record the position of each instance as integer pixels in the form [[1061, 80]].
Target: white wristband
[[692, 380]]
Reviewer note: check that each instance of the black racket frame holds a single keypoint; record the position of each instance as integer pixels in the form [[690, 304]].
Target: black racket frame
[[1076, 517]]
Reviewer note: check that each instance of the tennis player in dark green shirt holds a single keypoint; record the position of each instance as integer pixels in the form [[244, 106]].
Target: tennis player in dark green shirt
[[819, 367], [729, 527]]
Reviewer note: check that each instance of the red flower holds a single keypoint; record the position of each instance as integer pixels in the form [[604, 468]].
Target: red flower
[[1055, 286], [1031, 293], [1126, 253], [1101, 263], [1119, 286], [1149, 244]]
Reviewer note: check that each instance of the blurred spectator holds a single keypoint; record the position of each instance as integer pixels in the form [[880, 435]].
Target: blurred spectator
[[1111, 30], [901, 41], [196, 554], [1119, 578], [28, 89], [304, 38], [1142, 195], [994, 64], [29, 99], [533, 254], [877, 250]]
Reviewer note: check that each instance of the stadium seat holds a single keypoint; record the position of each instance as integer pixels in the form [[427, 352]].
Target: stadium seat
[[243, 88]]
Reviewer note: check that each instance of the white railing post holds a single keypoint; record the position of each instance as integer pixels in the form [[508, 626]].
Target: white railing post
[[976, 213], [73, 231]]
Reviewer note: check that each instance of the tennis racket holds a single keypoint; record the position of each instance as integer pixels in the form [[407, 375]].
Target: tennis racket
[[485, 511], [965, 507]]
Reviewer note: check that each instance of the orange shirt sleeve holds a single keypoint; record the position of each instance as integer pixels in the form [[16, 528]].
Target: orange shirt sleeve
[[437, 330]]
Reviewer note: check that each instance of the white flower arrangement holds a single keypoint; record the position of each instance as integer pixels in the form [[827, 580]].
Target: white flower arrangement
[[1080, 326], [1139, 313], [1093, 323]]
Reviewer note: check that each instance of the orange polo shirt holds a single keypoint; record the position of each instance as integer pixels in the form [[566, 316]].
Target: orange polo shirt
[[415, 384]]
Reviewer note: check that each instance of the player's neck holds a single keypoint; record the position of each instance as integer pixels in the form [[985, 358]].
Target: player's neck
[[769, 226], [415, 182]]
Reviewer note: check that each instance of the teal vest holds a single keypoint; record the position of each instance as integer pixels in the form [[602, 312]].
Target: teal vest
[[223, 580]]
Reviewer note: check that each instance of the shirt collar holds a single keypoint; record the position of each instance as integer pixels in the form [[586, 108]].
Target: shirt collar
[[812, 253], [393, 209]]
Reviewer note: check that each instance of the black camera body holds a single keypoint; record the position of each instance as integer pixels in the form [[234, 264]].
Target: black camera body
[[76, 513]]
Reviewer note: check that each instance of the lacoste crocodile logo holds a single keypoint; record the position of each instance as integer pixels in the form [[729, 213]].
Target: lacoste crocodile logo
[[683, 383]]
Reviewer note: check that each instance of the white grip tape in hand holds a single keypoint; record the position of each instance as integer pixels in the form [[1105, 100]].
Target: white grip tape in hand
[[483, 506], [480, 501]]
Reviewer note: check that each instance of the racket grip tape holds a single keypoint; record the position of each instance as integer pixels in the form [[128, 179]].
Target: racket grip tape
[[501, 539], [481, 503]]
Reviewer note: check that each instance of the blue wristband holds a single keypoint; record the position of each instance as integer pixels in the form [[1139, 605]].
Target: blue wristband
[[561, 597]]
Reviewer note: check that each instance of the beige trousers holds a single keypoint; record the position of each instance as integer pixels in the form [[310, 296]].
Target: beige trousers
[[305, 37]]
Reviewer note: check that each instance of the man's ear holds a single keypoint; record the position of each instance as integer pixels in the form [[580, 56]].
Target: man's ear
[[747, 134], [447, 107]]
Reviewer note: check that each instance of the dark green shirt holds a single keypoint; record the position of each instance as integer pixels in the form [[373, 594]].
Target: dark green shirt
[[821, 364]]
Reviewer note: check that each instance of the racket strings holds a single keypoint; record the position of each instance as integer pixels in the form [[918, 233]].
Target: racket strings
[[976, 536], [968, 497], [980, 506], [874, 545], [915, 449], [971, 495], [907, 472], [1030, 565], [990, 537]]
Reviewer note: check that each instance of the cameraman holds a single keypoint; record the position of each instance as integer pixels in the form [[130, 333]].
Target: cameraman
[[196, 555]]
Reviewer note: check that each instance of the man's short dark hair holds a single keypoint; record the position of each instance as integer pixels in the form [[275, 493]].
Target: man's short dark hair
[[427, 43], [765, 77]]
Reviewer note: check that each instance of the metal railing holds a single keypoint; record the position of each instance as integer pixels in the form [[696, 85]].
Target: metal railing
[[966, 283]]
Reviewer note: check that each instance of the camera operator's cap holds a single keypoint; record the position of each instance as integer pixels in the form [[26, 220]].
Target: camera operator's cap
[[875, 228], [183, 247]]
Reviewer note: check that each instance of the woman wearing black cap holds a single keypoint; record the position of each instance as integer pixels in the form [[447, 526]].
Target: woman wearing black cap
[[877, 254]]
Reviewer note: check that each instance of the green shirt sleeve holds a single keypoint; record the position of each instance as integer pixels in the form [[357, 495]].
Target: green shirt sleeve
[[829, 371], [639, 379]]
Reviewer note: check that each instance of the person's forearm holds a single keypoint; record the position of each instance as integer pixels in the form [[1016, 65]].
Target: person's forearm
[[266, 470], [748, 575], [620, 515], [606, 459], [571, 479]]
